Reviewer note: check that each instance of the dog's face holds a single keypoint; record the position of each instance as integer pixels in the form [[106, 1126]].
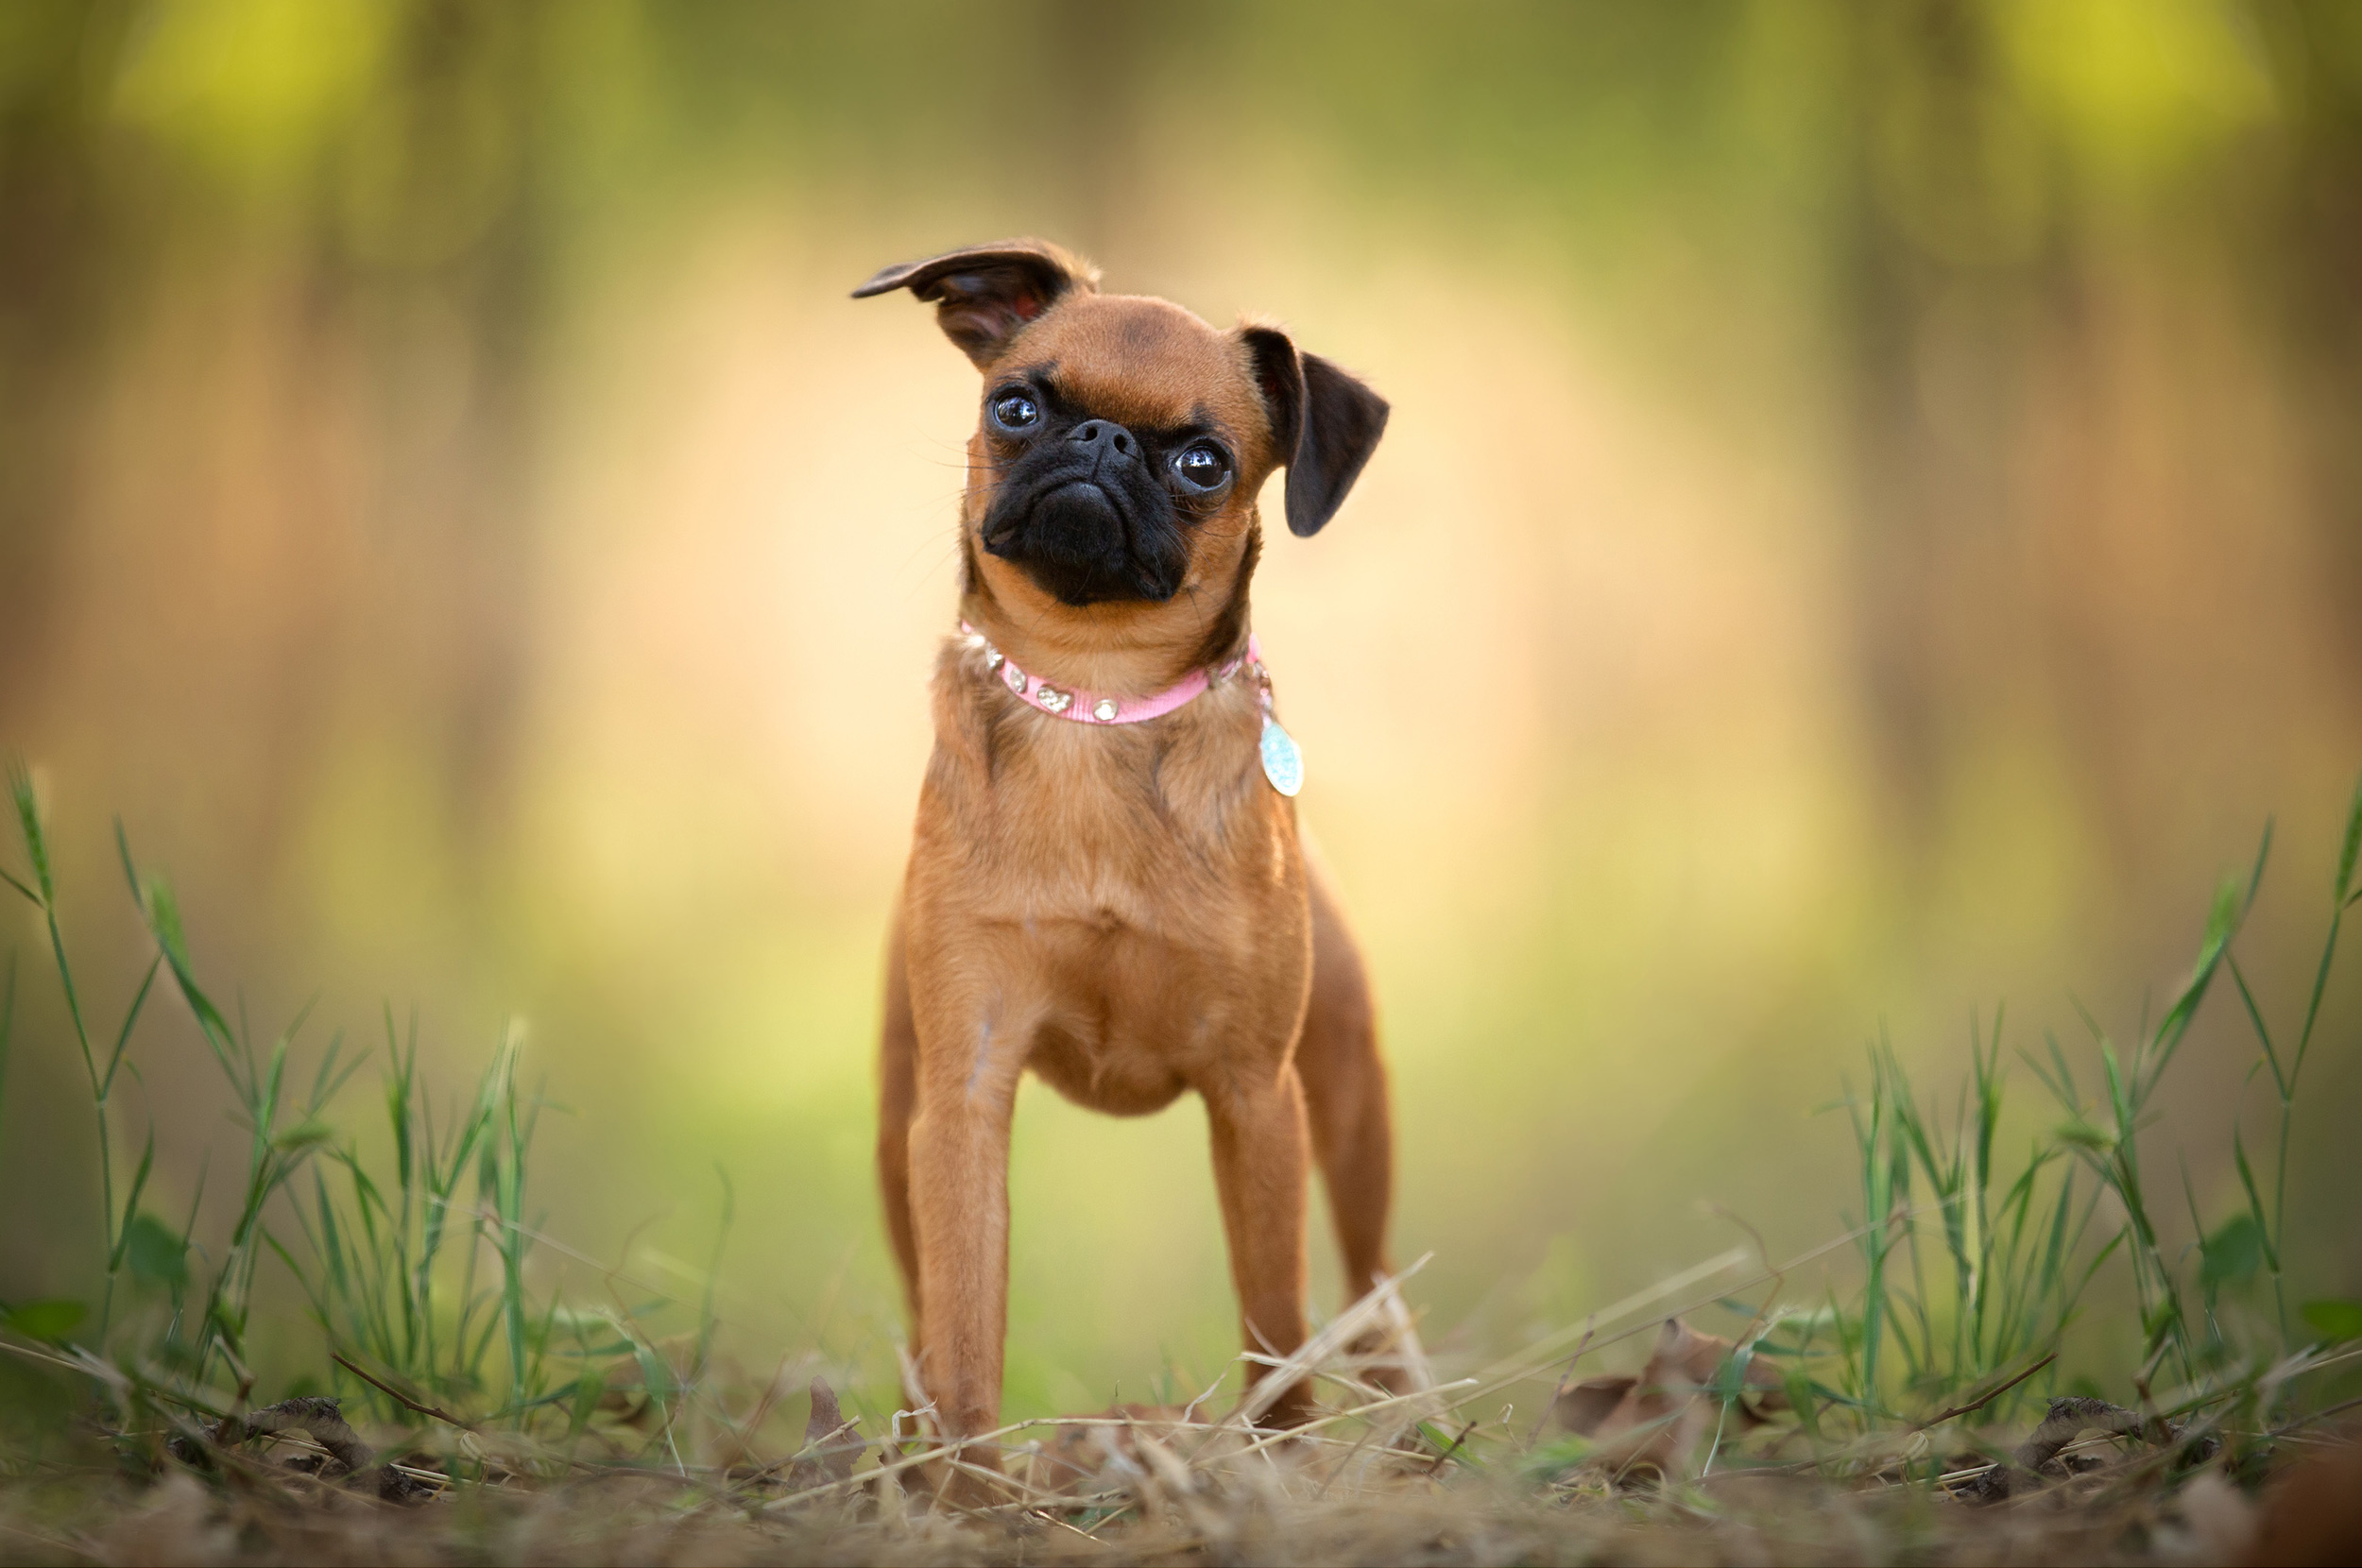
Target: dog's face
[[1122, 441]]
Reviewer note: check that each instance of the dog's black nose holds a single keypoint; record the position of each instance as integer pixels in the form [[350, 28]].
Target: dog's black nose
[[1107, 441]]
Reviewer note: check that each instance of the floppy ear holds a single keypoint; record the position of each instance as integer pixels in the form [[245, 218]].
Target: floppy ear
[[1325, 425], [984, 294]]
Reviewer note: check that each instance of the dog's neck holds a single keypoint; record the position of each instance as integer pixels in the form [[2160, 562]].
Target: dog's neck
[[1084, 706], [1131, 650]]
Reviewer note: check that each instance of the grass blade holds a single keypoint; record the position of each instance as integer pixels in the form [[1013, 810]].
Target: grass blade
[[132, 1204], [8, 1033], [2222, 924], [130, 1018], [2351, 847]]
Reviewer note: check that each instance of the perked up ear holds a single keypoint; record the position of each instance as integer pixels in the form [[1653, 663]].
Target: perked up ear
[[1325, 425], [985, 294]]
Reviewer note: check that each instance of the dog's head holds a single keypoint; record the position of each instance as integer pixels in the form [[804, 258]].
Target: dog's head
[[1123, 440]]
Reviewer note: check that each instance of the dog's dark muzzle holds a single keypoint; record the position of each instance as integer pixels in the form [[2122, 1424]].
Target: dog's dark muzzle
[[1087, 522]]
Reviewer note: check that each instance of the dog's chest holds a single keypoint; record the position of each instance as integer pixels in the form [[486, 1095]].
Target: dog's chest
[[1141, 898], [1160, 848]]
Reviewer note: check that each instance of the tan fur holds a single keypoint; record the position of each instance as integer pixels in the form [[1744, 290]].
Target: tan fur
[[1127, 911]]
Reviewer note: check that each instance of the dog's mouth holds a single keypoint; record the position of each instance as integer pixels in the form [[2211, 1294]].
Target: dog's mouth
[[1080, 543]]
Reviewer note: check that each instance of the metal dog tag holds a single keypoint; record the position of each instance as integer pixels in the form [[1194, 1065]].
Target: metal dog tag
[[1283, 759]]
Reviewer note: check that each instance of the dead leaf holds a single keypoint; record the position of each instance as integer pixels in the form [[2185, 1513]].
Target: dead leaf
[[1584, 1408], [2046, 1456], [1656, 1421], [832, 1444], [1078, 1453], [321, 1420]]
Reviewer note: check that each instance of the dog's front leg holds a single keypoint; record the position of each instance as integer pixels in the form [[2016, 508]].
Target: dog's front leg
[[1260, 1170], [969, 1062]]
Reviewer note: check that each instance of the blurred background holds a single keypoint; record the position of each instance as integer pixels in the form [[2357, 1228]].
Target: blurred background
[[1870, 529]]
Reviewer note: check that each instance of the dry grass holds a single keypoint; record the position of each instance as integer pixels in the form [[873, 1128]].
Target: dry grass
[[1916, 1420], [638, 1522], [1163, 1494], [1385, 1477]]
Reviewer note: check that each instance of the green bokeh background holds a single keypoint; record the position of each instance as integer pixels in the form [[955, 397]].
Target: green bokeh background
[[1872, 527]]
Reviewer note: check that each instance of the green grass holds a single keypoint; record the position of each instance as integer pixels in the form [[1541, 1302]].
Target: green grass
[[1976, 1266], [1992, 1241], [413, 1263]]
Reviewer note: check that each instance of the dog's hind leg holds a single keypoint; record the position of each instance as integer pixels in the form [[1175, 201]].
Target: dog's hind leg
[[898, 1096], [1345, 1104], [1344, 1094]]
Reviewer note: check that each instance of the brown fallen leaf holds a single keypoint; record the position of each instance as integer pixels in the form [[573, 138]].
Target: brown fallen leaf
[[1076, 1454], [1654, 1421], [833, 1443], [321, 1420], [2037, 1460]]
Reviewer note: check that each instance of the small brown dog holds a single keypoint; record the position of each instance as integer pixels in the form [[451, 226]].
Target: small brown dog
[[1106, 885]]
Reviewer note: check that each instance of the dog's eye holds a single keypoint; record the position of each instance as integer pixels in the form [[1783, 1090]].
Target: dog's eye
[[1202, 467], [1015, 411]]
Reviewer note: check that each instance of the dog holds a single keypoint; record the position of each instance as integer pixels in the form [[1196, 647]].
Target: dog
[[1107, 885]]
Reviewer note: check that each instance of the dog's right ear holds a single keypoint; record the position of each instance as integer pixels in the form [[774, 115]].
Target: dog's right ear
[[984, 294]]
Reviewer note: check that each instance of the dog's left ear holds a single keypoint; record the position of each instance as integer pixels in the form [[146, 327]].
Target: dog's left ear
[[1325, 425], [984, 294]]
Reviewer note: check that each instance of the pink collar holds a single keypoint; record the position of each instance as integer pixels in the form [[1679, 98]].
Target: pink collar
[[1101, 707]]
